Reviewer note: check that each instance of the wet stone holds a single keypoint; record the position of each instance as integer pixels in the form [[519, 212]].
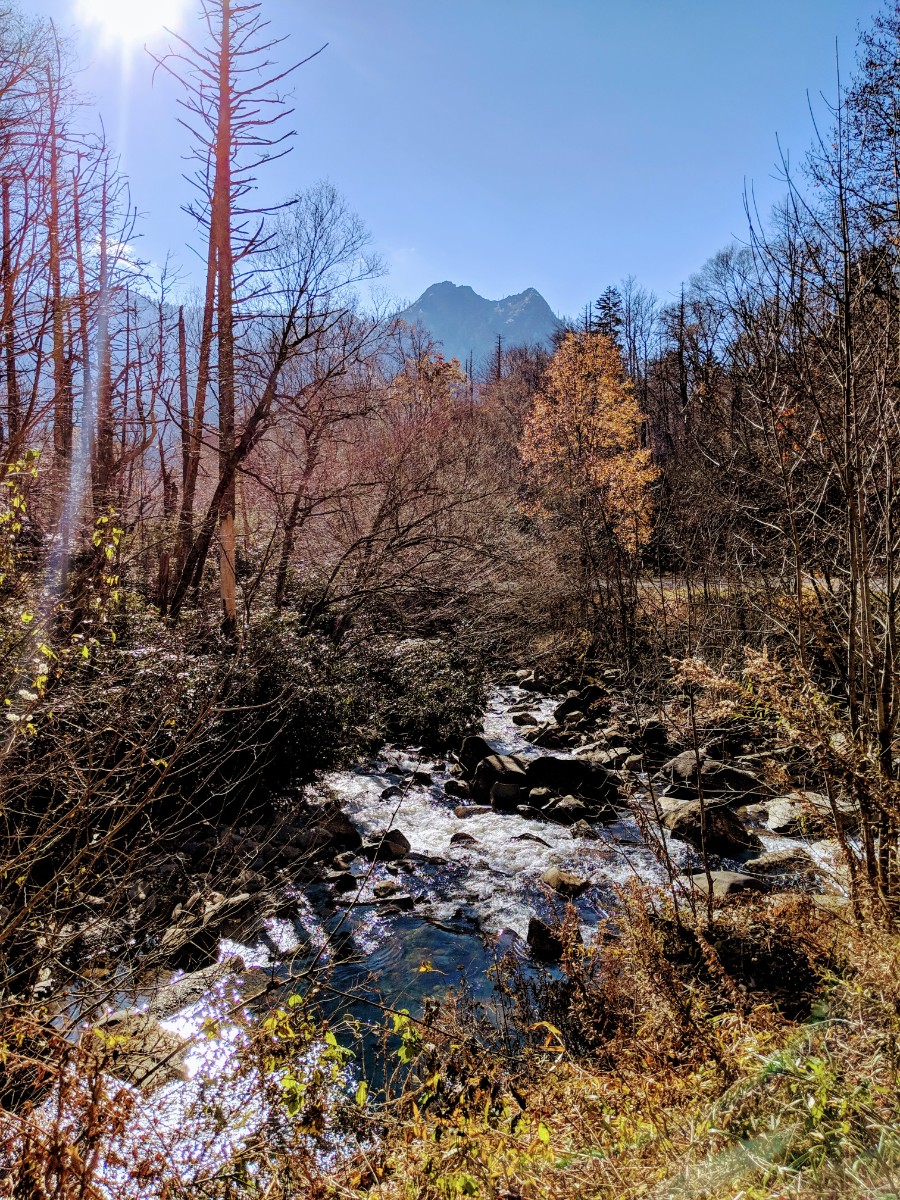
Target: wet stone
[[567, 883]]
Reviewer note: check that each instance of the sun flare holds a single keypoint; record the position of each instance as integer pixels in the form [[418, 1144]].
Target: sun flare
[[128, 22]]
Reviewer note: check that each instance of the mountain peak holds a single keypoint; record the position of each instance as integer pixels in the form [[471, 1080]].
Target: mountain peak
[[465, 323]]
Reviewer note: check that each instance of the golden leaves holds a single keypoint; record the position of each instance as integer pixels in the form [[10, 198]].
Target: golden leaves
[[582, 440]]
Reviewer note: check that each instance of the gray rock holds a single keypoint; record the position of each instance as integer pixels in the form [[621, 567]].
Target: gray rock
[[133, 1046], [725, 833], [584, 829], [497, 768], [793, 861], [567, 811], [729, 883], [808, 814]]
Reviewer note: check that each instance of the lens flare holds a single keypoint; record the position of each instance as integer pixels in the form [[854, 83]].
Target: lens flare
[[128, 22]]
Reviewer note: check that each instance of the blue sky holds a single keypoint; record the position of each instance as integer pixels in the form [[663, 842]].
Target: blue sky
[[556, 144]]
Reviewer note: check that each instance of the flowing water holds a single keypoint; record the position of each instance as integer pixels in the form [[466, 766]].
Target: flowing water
[[465, 902]]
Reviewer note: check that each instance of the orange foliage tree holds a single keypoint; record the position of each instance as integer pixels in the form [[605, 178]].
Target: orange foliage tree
[[588, 472]]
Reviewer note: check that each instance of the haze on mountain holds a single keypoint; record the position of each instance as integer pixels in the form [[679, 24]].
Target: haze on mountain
[[468, 324]]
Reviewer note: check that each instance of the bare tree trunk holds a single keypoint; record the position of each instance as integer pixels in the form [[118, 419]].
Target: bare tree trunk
[[221, 222]]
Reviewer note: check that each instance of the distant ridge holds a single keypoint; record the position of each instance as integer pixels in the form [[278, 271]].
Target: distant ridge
[[466, 323]]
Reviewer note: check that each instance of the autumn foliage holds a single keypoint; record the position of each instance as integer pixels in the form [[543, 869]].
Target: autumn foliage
[[581, 443]]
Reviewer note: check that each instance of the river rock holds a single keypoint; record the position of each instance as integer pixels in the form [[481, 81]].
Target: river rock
[[809, 814], [525, 718], [544, 943], [680, 776], [531, 837], [390, 792], [565, 882], [398, 904], [423, 778], [793, 861], [133, 1046], [590, 698], [470, 810], [729, 883], [457, 788], [725, 834], [567, 811], [570, 775], [584, 829], [475, 748], [497, 768], [463, 839], [386, 847], [539, 797], [653, 735], [386, 888], [505, 797], [342, 881], [338, 830], [192, 938]]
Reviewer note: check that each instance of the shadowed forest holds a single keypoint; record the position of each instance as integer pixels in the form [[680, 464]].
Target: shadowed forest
[[427, 780]]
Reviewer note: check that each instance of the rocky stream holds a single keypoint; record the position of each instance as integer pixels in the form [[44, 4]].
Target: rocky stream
[[407, 876]]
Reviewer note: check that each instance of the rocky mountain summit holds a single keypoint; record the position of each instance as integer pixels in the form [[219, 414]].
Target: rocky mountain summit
[[468, 324]]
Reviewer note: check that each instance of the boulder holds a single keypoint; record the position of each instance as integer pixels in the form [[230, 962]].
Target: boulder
[[567, 811], [653, 735], [505, 797], [422, 778], [342, 833], [589, 698], [793, 861], [457, 788], [386, 888], [530, 813], [729, 883], [808, 814], [133, 1046], [390, 792], [192, 938], [342, 881], [386, 847], [584, 829], [470, 810], [565, 882], [463, 839], [538, 797], [497, 768], [474, 748], [545, 944], [725, 834], [525, 718], [679, 776], [571, 775]]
